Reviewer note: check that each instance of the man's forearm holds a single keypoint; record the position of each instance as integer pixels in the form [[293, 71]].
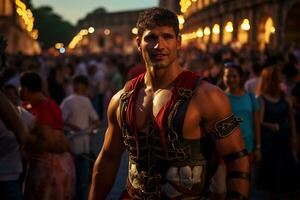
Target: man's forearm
[[238, 178], [104, 173]]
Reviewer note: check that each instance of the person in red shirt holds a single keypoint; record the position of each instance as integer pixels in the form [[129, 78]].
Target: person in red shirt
[[51, 167]]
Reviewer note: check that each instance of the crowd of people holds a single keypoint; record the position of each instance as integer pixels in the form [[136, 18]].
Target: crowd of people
[[62, 100]]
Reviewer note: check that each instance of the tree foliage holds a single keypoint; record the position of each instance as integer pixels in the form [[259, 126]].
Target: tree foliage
[[52, 27]]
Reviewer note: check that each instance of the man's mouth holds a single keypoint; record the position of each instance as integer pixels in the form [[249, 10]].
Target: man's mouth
[[159, 55]]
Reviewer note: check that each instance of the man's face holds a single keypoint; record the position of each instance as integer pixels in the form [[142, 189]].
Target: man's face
[[24, 93], [159, 46]]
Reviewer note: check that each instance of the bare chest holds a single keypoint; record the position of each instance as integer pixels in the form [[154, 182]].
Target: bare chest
[[149, 106]]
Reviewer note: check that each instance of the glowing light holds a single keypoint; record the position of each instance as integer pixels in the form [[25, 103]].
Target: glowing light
[[62, 50], [83, 32], [269, 30], [206, 30], [180, 19], [229, 27], [91, 30], [189, 36], [106, 31], [272, 29], [58, 45], [216, 29], [35, 34], [245, 25], [75, 40], [185, 4], [134, 30], [199, 32], [26, 15]]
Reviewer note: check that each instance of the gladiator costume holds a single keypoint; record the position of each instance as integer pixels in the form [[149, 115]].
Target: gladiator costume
[[164, 165]]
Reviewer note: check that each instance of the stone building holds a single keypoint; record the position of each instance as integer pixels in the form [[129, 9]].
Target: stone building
[[112, 31], [258, 23], [16, 25]]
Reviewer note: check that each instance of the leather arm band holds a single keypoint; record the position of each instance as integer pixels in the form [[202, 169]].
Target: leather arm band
[[224, 127], [235, 155], [239, 175], [235, 195]]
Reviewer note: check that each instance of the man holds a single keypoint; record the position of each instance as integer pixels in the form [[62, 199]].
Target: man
[[80, 116], [172, 124]]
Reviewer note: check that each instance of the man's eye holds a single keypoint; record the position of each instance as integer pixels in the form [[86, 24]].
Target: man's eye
[[150, 38], [167, 36]]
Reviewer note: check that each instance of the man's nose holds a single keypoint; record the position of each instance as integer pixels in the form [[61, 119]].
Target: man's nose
[[160, 43]]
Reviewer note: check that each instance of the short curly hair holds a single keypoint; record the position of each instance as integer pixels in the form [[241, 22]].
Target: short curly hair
[[32, 81], [154, 17]]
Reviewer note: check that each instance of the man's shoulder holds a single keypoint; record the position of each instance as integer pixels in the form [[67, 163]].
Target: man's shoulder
[[210, 96], [117, 97], [47, 103], [208, 89]]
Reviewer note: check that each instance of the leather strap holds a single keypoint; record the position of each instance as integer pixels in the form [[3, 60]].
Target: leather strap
[[235, 195], [235, 155], [238, 174]]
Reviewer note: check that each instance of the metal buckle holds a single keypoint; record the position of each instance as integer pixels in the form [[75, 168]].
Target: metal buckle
[[185, 93]]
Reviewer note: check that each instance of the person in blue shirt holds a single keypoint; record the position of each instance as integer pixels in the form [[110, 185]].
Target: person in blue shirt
[[245, 106]]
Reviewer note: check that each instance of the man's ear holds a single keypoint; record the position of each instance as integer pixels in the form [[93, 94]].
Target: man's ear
[[138, 42]]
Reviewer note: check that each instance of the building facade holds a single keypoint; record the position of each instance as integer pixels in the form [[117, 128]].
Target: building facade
[[259, 23], [112, 31], [16, 25]]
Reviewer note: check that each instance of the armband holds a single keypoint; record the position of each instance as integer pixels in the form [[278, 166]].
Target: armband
[[235, 195], [224, 127], [235, 155], [238, 175]]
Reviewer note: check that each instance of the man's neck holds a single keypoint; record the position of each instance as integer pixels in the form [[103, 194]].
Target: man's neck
[[36, 98], [161, 78]]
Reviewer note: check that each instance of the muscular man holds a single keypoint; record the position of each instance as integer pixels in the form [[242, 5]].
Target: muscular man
[[173, 124]]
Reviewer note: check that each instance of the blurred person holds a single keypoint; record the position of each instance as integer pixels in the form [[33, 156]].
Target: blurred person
[[137, 69], [81, 68], [291, 77], [13, 136], [56, 84], [80, 117], [246, 107], [251, 84], [168, 120], [215, 72], [50, 166], [28, 119], [295, 96], [279, 172]]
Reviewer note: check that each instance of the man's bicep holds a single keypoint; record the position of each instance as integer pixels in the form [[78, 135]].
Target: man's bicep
[[113, 141], [215, 109], [230, 144]]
